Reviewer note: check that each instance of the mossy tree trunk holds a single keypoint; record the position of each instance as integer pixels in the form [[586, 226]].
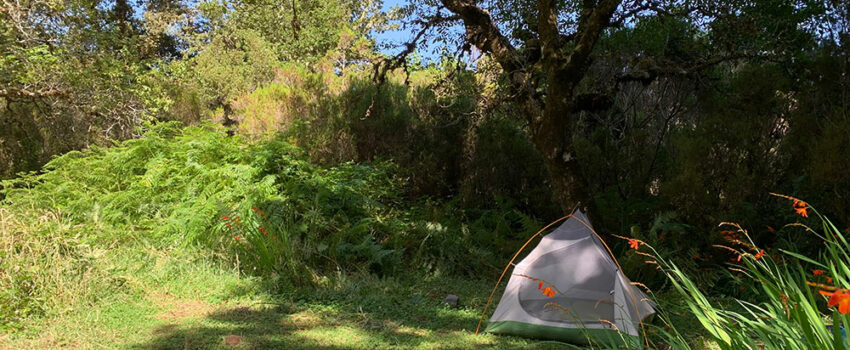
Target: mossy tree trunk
[[552, 62]]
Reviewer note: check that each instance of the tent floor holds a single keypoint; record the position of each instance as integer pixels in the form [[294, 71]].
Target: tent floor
[[582, 336]]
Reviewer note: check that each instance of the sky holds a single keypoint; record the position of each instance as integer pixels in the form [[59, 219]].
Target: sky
[[427, 52], [396, 35]]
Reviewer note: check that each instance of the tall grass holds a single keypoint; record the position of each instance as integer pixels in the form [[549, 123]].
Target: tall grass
[[44, 265], [787, 310]]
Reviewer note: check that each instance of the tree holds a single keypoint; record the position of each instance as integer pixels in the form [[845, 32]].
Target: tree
[[70, 74], [546, 48]]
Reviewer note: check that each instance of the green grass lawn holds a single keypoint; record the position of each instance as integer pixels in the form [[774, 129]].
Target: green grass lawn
[[179, 300]]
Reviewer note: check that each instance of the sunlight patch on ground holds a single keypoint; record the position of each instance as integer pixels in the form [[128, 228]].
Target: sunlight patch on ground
[[327, 336], [178, 309], [419, 332], [310, 319]]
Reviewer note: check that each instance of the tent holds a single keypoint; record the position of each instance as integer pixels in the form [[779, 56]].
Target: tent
[[570, 288]]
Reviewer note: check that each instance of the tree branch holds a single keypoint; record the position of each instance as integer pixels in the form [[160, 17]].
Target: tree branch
[[588, 33], [547, 28], [651, 69], [24, 93], [400, 59], [481, 32], [295, 25]]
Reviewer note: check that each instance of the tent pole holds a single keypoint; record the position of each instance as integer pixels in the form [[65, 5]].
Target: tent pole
[[489, 299]]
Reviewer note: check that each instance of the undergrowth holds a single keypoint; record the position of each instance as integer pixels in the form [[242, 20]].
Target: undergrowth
[[260, 206]]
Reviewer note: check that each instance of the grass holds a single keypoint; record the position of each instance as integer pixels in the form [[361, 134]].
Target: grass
[[186, 300]]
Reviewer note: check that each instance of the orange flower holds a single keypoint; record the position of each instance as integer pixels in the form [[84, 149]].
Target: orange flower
[[759, 254], [839, 297], [828, 280], [225, 218], [540, 285], [254, 208], [634, 243], [549, 292], [800, 207], [817, 272], [237, 238]]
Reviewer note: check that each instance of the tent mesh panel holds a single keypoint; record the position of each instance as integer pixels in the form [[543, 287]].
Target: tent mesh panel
[[584, 279]]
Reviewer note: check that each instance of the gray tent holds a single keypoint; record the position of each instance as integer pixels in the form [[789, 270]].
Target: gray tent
[[569, 288]]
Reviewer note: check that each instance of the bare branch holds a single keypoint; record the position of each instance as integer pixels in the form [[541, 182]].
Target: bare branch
[[652, 70], [24, 93], [400, 59], [481, 32], [588, 33]]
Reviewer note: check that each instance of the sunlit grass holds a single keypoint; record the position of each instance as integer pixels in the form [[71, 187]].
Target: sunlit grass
[[179, 299]]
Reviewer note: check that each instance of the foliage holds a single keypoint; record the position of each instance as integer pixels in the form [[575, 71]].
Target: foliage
[[234, 62], [262, 206], [682, 121], [73, 75], [788, 313]]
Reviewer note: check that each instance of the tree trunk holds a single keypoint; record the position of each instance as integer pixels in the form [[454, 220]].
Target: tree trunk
[[554, 141], [551, 116]]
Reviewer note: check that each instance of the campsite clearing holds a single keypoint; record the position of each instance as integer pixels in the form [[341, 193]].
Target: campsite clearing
[[194, 304], [187, 302]]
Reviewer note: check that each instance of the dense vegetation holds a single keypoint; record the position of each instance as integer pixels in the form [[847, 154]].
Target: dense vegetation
[[282, 150]]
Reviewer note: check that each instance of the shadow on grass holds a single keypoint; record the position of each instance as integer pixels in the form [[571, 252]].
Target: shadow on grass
[[367, 318]]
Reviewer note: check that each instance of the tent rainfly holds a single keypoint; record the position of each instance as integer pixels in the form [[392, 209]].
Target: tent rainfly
[[570, 288]]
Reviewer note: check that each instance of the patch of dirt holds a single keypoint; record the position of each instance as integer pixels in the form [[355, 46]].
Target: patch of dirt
[[303, 320], [232, 340], [241, 313], [309, 319], [412, 331], [177, 309]]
